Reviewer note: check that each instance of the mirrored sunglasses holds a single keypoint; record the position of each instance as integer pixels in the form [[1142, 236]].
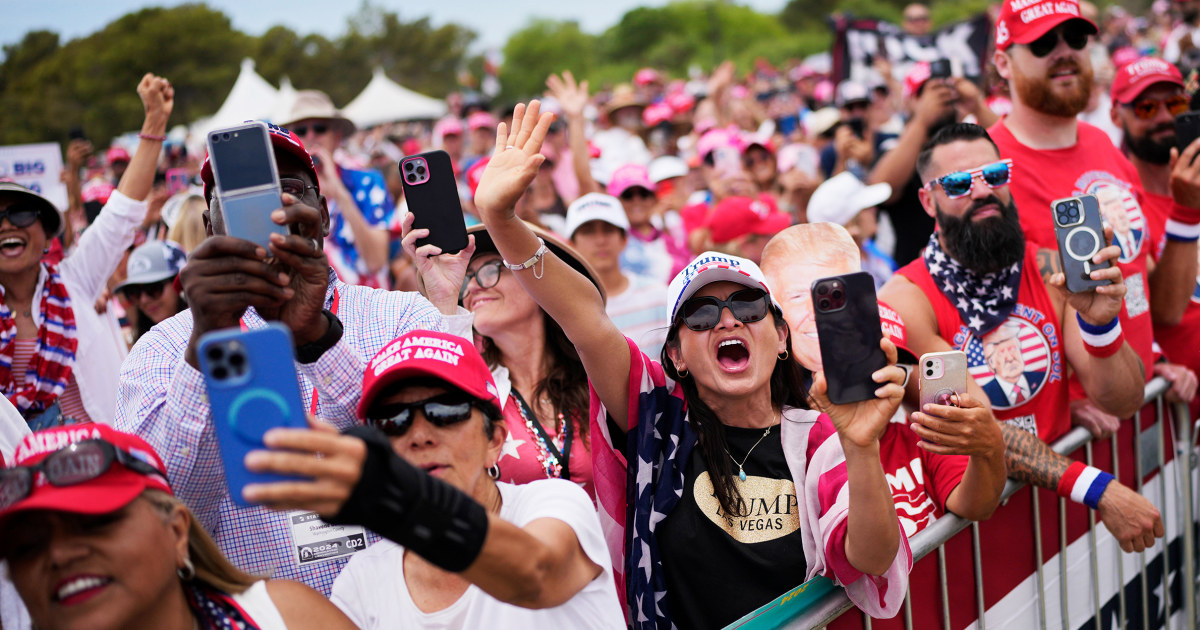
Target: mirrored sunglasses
[[959, 183], [1147, 108], [441, 411]]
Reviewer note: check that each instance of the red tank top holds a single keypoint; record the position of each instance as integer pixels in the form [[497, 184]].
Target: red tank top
[[1019, 364]]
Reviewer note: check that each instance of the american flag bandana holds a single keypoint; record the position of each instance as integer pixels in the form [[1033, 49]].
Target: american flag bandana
[[983, 301], [50, 367]]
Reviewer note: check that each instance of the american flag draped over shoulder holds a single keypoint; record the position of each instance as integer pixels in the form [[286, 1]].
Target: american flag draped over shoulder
[[983, 301], [49, 370], [660, 433]]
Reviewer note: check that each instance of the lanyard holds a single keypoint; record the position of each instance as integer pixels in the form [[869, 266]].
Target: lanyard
[[544, 438], [333, 308]]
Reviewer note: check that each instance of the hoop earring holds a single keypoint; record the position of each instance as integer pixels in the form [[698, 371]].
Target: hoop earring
[[493, 471], [187, 572], [683, 373], [783, 356]]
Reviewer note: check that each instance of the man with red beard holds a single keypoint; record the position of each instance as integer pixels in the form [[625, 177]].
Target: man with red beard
[[1147, 96], [978, 275], [1041, 49]]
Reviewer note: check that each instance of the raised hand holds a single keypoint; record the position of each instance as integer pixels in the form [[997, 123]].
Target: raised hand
[[158, 99], [442, 274], [573, 97], [1185, 175], [514, 163], [862, 423], [1100, 305]]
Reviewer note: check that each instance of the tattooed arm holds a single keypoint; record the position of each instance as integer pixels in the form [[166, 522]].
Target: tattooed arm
[[1129, 516]]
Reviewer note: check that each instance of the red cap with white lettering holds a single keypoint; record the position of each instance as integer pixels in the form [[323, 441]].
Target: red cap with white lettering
[[428, 354], [1136, 77], [1022, 21], [109, 490], [893, 328]]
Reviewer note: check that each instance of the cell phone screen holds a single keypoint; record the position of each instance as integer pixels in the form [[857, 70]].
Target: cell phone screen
[[243, 161]]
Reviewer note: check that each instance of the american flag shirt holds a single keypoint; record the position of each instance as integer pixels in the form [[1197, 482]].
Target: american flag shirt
[[635, 499], [163, 399], [1019, 362]]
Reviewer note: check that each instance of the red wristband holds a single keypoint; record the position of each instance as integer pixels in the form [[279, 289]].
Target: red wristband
[[1184, 214], [153, 138]]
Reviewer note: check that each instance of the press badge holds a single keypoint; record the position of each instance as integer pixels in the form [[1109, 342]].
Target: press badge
[[317, 541]]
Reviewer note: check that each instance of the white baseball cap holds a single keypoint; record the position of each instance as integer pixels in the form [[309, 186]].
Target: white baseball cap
[[667, 167], [841, 197], [712, 267], [595, 207]]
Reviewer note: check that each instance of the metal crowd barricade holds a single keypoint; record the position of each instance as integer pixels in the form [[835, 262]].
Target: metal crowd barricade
[[933, 537]]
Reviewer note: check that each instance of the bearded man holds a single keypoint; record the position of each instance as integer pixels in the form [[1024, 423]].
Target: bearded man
[[1041, 50], [976, 286]]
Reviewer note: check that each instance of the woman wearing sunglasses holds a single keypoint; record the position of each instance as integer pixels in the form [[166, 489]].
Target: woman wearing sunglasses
[[711, 462], [59, 358], [541, 384], [149, 286], [463, 550], [95, 539]]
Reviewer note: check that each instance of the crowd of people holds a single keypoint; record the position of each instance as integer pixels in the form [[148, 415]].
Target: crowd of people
[[618, 387]]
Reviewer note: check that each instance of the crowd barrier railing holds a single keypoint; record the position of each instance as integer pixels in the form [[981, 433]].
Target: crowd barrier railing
[[1149, 457]]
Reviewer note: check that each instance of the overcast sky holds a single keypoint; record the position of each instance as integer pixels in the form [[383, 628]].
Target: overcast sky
[[494, 20]]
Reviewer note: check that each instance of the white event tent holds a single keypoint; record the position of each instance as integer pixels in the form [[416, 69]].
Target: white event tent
[[384, 101], [252, 98]]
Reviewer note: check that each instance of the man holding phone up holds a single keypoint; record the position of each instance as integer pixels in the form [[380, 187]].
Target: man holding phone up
[[1148, 95], [978, 275], [1047, 64], [336, 327]]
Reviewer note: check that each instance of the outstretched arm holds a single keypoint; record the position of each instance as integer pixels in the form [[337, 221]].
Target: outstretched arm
[[1129, 516], [565, 294]]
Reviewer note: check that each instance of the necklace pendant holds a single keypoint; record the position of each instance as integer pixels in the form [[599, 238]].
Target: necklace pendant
[[741, 473]]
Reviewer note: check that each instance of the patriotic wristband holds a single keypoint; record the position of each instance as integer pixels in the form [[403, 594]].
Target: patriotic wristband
[[1084, 484], [1101, 341], [1183, 223]]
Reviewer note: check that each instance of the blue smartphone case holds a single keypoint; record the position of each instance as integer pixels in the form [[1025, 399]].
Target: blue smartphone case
[[252, 388]]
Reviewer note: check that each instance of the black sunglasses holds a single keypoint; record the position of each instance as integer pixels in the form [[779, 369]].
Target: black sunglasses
[[152, 290], [442, 410], [75, 464], [703, 313], [21, 216], [486, 276], [637, 192], [317, 128], [1076, 38]]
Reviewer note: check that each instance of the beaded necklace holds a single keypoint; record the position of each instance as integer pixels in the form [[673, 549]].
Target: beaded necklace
[[556, 463]]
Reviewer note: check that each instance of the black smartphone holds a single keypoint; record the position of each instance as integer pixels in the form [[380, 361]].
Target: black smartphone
[[1187, 129], [939, 69], [848, 330], [76, 133], [1080, 231], [857, 126], [432, 196]]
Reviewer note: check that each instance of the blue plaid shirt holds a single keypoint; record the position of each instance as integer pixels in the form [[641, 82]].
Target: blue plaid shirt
[[163, 399]]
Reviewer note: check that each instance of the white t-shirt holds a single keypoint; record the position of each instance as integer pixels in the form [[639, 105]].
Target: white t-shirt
[[258, 605], [371, 590]]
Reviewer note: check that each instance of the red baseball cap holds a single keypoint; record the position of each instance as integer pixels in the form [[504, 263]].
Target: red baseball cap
[[425, 353], [109, 491], [735, 217], [116, 154], [893, 329], [475, 173], [1136, 77], [1022, 21], [281, 139]]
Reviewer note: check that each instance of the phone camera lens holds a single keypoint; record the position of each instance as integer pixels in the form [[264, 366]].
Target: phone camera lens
[[421, 170], [823, 303], [215, 353], [929, 373], [837, 294], [822, 289], [237, 360], [220, 373], [408, 166], [224, 136]]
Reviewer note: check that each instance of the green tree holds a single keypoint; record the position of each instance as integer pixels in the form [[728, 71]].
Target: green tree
[[541, 48]]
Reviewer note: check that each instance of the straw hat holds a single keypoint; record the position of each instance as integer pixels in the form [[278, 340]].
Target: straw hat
[[623, 96], [316, 105]]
